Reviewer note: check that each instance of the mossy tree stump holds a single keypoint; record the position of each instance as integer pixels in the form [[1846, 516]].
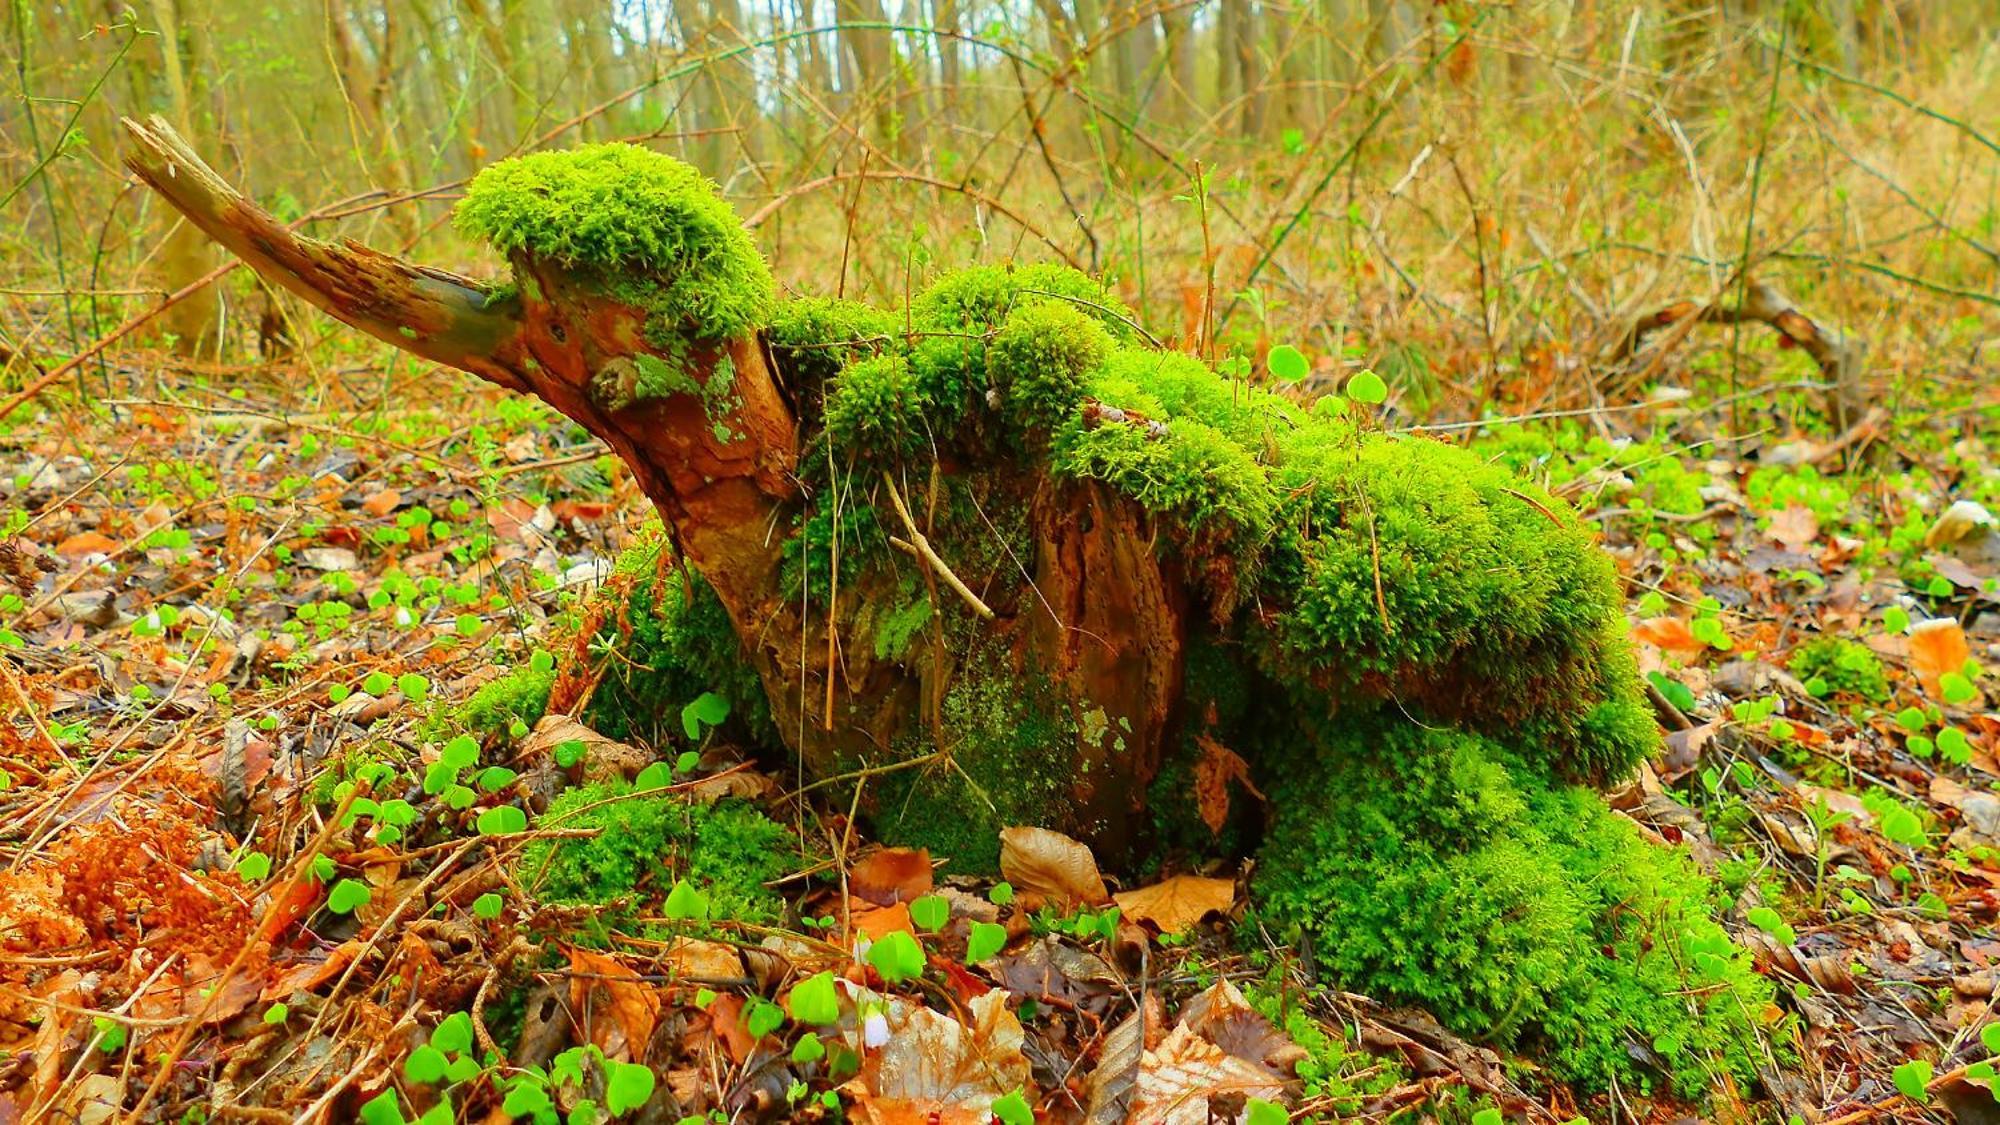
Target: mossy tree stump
[[1019, 569]]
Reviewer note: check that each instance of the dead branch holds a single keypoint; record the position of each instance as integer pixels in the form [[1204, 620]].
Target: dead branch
[[1838, 355]]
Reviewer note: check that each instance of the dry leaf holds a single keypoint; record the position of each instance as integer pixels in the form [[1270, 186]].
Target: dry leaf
[[1219, 765], [1937, 646], [1962, 519], [620, 1008], [86, 543], [604, 759], [309, 976], [935, 1069], [381, 503], [877, 922], [1115, 1080], [1179, 902], [1176, 1080], [1041, 862], [703, 960], [1222, 1016], [725, 1019], [1671, 634], [1839, 800], [888, 876], [1795, 527]]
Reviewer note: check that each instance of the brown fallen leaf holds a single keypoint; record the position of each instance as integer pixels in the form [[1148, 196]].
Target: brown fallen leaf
[[1222, 1016], [309, 976], [1937, 647], [1795, 527], [604, 759], [1219, 765], [888, 876], [703, 960], [935, 1069], [86, 543], [1177, 1080], [1175, 904], [877, 922], [379, 504], [1052, 866], [619, 1007]]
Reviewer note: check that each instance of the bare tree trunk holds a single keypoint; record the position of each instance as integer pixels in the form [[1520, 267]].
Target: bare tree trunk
[[1177, 34], [196, 323]]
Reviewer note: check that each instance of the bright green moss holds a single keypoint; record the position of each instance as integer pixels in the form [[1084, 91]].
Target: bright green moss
[[1497, 602], [980, 299], [1039, 359], [1520, 911], [1193, 472], [1848, 667], [647, 225], [814, 337], [520, 694], [645, 844], [875, 409], [1170, 385]]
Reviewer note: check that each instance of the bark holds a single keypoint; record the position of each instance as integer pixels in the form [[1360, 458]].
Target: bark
[[1098, 614]]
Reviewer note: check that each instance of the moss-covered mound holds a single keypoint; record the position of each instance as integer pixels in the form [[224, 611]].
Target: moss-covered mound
[[1448, 872], [635, 219], [645, 844]]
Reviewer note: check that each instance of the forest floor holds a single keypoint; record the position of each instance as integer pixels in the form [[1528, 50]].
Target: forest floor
[[231, 605]]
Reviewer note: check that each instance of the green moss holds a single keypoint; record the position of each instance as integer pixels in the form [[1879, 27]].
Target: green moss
[[645, 844], [809, 551], [626, 216], [520, 694], [1848, 667], [980, 299], [814, 337], [1039, 359], [1013, 761], [1500, 610], [668, 640], [1193, 472], [1520, 911], [876, 409]]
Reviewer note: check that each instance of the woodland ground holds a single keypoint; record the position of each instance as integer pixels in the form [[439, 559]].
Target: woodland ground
[[151, 733], [238, 585]]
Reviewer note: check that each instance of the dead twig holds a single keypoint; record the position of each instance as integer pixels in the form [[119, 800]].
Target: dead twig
[[921, 547]]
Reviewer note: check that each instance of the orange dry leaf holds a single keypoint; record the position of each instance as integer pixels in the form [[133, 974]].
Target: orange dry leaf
[[1937, 646], [86, 543], [1670, 633], [877, 922], [381, 503], [725, 1020], [308, 976], [1051, 865], [618, 1008], [891, 875], [1795, 527], [1179, 902]]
